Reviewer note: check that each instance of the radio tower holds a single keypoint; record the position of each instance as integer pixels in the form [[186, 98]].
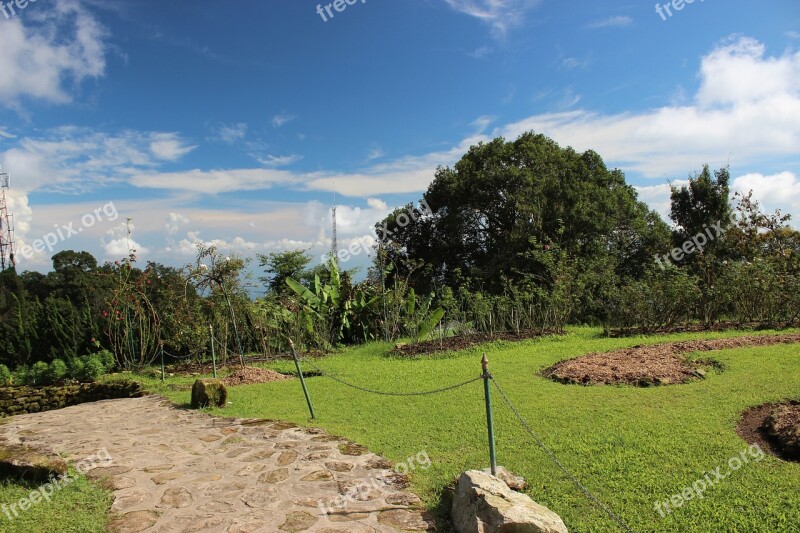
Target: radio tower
[[334, 239], [6, 226]]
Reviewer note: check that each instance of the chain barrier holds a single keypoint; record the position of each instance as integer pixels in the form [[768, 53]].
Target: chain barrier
[[558, 463], [178, 357], [513, 408], [386, 393]]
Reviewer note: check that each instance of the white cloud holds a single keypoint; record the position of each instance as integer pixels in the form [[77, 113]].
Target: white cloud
[[169, 146], [612, 22], [778, 191], [279, 161], [47, 47], [76, 159], [118, 242], [376, 153], [500, 15], [230, 133], [215, 181], [481, 123], [571, 63], [174, 222], [747, 107], [481, 52], [281, 119]]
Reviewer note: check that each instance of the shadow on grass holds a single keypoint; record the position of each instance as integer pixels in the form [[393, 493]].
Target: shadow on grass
[[441, 512]]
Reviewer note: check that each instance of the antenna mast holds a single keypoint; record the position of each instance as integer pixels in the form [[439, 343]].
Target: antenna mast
[[334, 239], [6, 226]]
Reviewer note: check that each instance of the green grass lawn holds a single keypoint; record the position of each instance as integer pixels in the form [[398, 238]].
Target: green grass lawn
[[630, 446], [80, 507]]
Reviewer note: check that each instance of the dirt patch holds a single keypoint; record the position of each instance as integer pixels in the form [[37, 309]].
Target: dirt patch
[[693, 328], [774, 427], [251, 375], [462, 342], [656, 364], [783, 426], [193, 368]]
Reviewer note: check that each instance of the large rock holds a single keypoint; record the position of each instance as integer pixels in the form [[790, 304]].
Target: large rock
[[20, 461], [513, 481], [209, 392], [485, 504]]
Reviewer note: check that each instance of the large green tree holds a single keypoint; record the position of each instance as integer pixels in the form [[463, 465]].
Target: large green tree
[[505, 202]]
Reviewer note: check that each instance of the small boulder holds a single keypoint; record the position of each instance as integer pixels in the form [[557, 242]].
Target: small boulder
[[485, 504], [209, 392], [21, 462]]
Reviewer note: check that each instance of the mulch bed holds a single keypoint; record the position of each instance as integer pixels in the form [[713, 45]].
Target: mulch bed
[[774, 427], [691, 328], [657, 364], [462, 342], [250, 375]]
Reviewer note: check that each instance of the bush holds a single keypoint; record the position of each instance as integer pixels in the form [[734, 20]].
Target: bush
[[39, 373], [76, 368], [57, 372], [93, 368], [5, 375], [107, 359], [20, 375], [663, 299]]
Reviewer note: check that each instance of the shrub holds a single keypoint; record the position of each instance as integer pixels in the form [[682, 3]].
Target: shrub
[[39, 373], [76, 368], [107, 359], [57, 371], [663, 299], [5, 375], [20, 375], [93, 368]]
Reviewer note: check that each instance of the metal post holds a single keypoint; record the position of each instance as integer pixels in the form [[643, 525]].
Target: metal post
[[162, 361], [489, 423], [302, 380], [213, 354]]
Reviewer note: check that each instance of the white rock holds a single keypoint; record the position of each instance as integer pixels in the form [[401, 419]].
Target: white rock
[[485, 504]]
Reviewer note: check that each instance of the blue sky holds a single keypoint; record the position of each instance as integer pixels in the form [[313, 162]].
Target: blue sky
[[235, 123]]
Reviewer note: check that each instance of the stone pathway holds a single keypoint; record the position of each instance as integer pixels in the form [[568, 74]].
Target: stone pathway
[[175, 470]]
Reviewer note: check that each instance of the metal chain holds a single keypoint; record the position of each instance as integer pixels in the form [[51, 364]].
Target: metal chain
[[560, 465], [385, 393], [176, 356]]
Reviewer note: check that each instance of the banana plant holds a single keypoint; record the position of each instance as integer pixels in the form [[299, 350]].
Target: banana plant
[[420, 319], [333, 304]]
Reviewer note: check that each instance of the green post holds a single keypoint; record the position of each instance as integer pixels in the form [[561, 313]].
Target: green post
[[489, 423], [213, 354], [162, 361], [302, 380]]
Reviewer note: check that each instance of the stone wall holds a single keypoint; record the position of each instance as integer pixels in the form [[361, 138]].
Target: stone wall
[[22, 400]]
